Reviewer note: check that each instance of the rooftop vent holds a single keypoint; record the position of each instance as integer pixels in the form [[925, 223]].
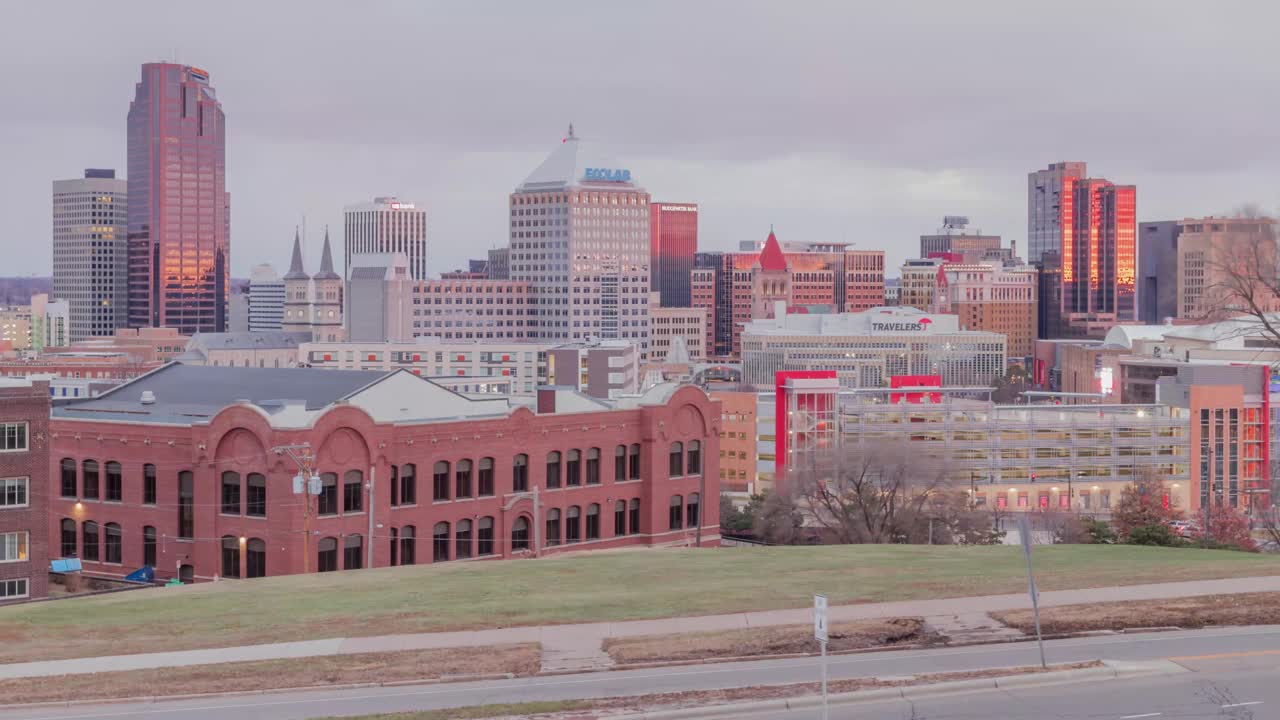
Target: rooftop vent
[[148, 398]]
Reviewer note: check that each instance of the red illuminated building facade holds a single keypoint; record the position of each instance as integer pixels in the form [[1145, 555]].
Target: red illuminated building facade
[[179, 210], [673, 241], [738, 287], [175, 472]]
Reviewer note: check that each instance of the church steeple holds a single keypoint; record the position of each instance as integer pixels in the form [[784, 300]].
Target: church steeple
[[295, 265], [326, 261]]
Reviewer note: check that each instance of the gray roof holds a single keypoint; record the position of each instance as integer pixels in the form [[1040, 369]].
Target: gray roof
[[188, 394], [566, 166], [249, 340], [326, 261]]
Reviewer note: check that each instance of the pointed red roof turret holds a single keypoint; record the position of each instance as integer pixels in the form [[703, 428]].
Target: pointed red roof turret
[[771, 257]]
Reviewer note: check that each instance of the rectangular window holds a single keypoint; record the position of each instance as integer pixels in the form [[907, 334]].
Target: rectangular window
[[230, 493], [13, 492], [256, 495], [13, 589], [352, 491], [13, 546], [68, 476], [13, 437], [186, 508], [148, 484], [115, 482]]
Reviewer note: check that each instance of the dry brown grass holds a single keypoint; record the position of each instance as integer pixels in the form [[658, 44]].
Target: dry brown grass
[[780, 640], [522, 659], [1192, 612]]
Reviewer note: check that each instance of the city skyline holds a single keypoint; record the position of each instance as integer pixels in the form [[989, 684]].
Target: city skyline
[[767, 141]]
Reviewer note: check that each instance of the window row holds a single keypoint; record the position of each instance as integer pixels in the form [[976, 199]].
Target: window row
[[93, 481]]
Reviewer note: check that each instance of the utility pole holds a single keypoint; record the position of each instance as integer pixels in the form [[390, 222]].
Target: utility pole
[[702, 490], [306, 483]]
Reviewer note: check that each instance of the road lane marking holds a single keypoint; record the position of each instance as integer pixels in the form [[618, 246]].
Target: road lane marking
[[1255, 702], [1135, 717], [1224, 656]]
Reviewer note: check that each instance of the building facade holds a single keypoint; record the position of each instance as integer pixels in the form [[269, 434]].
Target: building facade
[[386, 225], [668, 323], [738, 441], [499, 267], [266, 299], [919, 282], [407, 472], [604, 369], [580, 238], [992, 297], [1216, 261], [50, 322], [1048, 196], [24, 489], [867, 349], [179, 214], [521, 364], [473, 309], [954, 238], [90, 252], [1158, 271], [313, 303], [673, 241]]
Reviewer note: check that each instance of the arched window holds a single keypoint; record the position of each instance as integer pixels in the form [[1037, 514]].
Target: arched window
[[485, 477], [149, 546], [463, 476], [553, 528], [328, 503], [230, 557], [634, 520], [484, 537], [90, 542], [694, 466], [115, 482], [440, 542], [593, 522], [620, 463], [675, 466], [68, 475], [693, 510], [352, 491], [256, 558], [593, 466], [675, 515], [520, 473], [462, 540], [327, 555], [633, 462], [620, 518], [553, 469], [440, 481], [520, 534], [408, 545], [256, 496], [148, 484], [573, 524], [230, 493], [113, 545], [573, 468], [90, 481], [352, 552], [408, 484], [68, 538]]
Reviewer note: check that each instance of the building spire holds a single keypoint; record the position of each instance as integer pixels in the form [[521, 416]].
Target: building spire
[[571, 136], [326, 260], [295, 265]]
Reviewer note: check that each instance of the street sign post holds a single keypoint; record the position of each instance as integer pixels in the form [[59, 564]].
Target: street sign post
[[1024, 530], [820, 632]]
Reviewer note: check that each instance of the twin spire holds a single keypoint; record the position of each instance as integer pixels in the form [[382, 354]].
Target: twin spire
[[296, 271]]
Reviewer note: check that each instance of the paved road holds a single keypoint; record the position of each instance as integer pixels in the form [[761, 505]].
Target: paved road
[[297, 705], [1236, 688]]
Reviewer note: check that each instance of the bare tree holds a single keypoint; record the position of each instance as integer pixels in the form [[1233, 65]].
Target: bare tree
[[1241, 278]]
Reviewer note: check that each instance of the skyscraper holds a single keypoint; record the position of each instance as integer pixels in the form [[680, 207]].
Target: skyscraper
[[580, 237], [266, 299], [1084, 232], [179, 214], [386, 225], [1044, 207], [90, 254], [673, 240]]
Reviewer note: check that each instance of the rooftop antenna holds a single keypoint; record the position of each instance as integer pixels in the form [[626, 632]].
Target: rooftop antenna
[[571, 136]]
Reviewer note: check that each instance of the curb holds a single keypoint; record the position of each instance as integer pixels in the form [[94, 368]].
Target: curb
[[154, 699], [1061, 677], [783, 656]]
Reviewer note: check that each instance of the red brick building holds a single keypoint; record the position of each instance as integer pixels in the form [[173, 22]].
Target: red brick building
[[180, 470], [24, 475]]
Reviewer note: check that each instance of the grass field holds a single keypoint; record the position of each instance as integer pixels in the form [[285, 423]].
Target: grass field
[[585, 588]]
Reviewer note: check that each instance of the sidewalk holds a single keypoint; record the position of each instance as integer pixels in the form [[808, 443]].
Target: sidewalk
[[577, 647]]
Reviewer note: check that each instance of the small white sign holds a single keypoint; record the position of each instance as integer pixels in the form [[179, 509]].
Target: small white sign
[[820, 617]]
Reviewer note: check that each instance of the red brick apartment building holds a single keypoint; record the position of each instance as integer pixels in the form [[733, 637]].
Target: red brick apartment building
[[24, 474], [184, 469]]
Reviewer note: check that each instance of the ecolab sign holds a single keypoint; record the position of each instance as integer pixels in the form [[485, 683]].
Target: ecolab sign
[[607, 174], [920, 326]]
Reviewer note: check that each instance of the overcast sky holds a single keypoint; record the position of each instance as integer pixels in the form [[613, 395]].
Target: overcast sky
[[843, 121]]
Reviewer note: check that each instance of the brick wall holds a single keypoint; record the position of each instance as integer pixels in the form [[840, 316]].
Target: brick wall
[[30, 405]]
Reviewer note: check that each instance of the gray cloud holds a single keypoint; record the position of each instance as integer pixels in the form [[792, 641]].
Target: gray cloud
[[843, 121]]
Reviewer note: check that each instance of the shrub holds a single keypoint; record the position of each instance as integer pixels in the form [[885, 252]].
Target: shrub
[[1099, 532], [1160, 535]]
